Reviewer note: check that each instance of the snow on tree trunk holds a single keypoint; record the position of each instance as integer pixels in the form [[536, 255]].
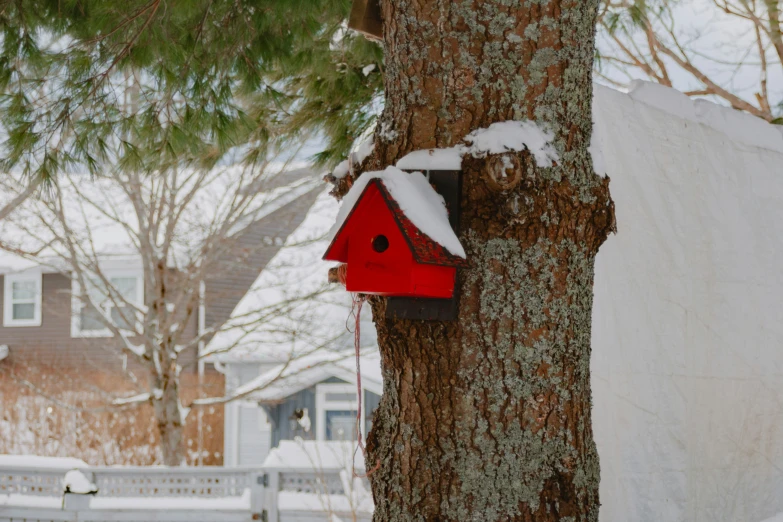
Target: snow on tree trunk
[[488, 417], [168, 416]]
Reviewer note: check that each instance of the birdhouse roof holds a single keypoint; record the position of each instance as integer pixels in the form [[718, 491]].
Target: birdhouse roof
[[419, 211]]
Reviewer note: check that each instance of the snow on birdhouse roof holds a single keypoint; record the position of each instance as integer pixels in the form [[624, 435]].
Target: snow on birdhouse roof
[[310, 314], [418, 209]]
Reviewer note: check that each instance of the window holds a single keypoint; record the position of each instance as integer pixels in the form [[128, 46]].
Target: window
[[22, 299], [336, 407], [117, 300], [340, 425]]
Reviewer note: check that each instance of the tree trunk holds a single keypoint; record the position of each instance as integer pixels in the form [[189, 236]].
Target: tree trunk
[[170, 422], [488, 418]]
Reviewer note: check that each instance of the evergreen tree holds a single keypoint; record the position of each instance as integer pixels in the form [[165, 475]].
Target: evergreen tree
[[146, 85]]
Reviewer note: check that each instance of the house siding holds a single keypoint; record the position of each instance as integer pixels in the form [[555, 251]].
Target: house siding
[[254, 435], [51, 343], [244, 440]]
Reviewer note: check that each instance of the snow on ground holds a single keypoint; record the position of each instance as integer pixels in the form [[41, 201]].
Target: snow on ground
[[181, 503], [687, 365], [417, 199], [306, 455], [296, 501], [32, 501], [34, 461], [776, 518]]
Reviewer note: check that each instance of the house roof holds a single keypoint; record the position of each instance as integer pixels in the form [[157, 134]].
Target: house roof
[[291, 309], [299, 374], [419, 211], [100, 213]]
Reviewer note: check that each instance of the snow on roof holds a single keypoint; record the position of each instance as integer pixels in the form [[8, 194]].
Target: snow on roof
[[686, 333], [740, 128], [298, 374], [35, 461], [102, 216], [12, 263], [297, 311], [415, 197], [323, 506]]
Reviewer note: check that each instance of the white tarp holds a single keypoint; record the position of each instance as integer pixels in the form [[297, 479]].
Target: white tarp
[[687, 333]]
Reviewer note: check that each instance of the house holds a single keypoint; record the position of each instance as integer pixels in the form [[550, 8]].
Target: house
[[301, 362], [312, 398], [41, 324]]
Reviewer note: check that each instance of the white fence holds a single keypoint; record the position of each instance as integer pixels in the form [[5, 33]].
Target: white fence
[[37, 494]]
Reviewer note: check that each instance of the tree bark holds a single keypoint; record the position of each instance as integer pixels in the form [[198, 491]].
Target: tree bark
[[169, 419], [488, 417]]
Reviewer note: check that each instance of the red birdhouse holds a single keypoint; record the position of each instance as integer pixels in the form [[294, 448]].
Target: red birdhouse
[[393, 233]]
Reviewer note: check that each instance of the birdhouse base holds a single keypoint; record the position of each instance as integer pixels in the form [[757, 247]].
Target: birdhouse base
[[422, 308]]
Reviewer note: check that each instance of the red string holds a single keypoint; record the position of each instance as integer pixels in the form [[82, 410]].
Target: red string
[[356, 310]]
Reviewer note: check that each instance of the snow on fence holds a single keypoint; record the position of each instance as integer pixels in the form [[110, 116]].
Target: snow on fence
[[39, 491]]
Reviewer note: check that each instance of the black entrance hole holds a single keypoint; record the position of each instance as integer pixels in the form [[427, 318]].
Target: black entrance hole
[[380, 243]]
